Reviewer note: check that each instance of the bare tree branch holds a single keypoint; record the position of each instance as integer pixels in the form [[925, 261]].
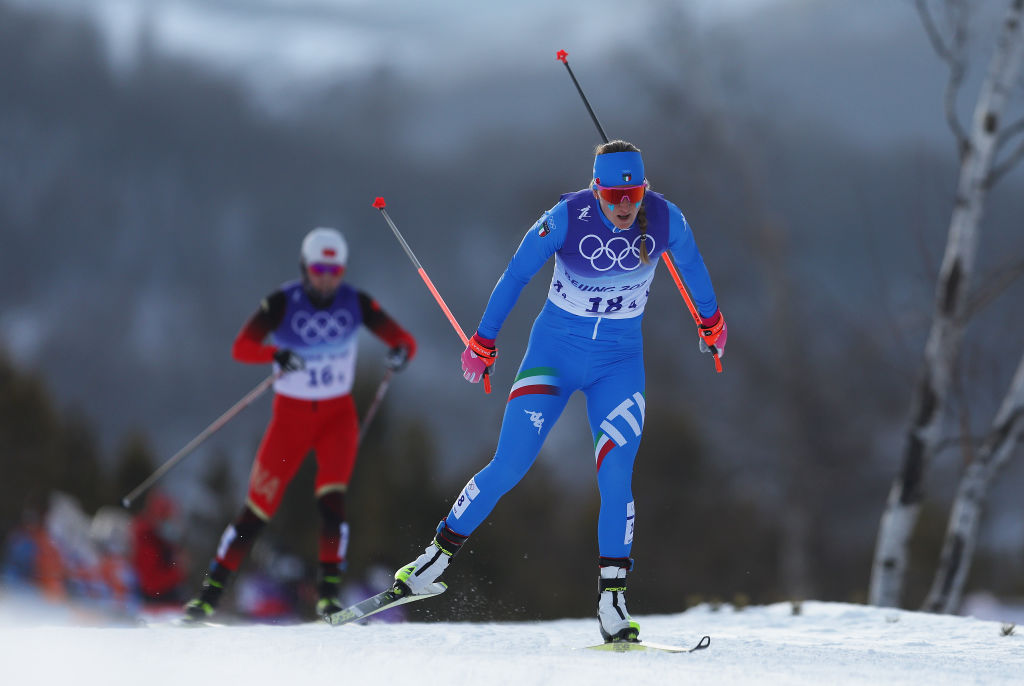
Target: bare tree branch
[[953, 55], [1009, 132], [999, 170], [994, 286], [957, 441], [938, 43]]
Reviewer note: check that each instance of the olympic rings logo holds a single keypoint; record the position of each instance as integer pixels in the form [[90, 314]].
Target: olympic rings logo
[[322, 326], [617, 252]]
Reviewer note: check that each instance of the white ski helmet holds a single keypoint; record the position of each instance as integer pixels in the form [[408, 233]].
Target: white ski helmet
[[324, 246]]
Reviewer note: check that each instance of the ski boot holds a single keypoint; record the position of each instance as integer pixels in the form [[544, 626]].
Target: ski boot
[[414, 577], [613, 618], [327, 587], [202, 607]]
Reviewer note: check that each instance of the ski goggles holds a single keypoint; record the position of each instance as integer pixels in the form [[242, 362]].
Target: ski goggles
[[613, 195], [322, 268]]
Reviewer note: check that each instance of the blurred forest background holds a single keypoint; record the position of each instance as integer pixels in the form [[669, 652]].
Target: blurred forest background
[[148, 203]]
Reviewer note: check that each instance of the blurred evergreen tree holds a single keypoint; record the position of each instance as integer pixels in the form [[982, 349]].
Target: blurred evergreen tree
[[42, 448], [133, 464], [694, 538], [210, 507]]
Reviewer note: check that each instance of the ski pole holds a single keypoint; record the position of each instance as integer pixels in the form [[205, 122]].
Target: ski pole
[[563, 57], [194, 443], [372, 409], [380, 205]]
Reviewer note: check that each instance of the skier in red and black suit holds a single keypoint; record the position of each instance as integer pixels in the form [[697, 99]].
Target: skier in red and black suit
[[312, 324]]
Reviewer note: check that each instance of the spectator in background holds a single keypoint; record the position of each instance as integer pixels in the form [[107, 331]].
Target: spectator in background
[[31, 559], [111, 536], [68, 526], [156, 556]]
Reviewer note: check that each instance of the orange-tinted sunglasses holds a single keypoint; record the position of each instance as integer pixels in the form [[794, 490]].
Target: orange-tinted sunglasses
[[616, 194]]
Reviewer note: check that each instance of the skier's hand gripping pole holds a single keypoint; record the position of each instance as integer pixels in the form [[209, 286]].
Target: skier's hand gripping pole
[[380, 205], [689, 305], [563, 57]]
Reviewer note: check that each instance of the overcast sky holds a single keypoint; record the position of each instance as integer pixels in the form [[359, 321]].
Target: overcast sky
[[286, 38], [863, 66]]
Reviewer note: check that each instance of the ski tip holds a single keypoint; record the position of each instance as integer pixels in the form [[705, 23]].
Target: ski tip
[[125, 503], [379, 203], [561, 55]]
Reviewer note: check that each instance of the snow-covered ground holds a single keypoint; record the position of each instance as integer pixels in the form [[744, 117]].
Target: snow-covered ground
[[826, 644]]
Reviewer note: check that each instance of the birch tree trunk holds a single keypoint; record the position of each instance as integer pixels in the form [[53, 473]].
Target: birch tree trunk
[[928, 404], [962, 533]]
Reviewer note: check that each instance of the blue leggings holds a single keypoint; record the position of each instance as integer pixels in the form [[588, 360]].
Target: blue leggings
[[604, 359]]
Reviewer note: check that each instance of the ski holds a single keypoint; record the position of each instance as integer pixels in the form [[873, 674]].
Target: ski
[[380, 602], [196, 623], [627, 646]]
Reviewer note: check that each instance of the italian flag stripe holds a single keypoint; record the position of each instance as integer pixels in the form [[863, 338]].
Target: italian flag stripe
[[538, 380], [538, 371], [602, 445], [532, 390]]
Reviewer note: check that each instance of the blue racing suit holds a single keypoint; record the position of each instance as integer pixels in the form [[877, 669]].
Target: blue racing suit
[[587, 337]]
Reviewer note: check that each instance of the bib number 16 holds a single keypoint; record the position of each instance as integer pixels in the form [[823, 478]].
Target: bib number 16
[[321, 376]]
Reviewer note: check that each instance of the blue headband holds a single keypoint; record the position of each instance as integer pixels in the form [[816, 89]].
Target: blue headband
[[619, 168]]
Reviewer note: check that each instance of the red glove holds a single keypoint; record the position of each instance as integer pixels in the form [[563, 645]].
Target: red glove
[[478, 357], [713, 333]]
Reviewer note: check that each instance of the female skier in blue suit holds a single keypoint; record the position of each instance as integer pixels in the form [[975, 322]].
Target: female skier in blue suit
[[606, 240]]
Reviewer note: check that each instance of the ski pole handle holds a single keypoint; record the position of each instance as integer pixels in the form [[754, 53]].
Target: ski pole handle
[[689, 302], [380, 205]]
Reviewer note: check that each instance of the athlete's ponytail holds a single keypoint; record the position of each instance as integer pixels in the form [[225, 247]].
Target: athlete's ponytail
[[641, 222]]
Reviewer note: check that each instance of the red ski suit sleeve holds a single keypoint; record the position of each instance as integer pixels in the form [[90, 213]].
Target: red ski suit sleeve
[[384, 327]]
